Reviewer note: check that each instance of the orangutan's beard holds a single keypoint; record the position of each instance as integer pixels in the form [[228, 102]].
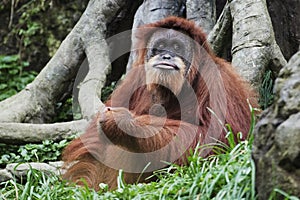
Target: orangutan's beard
[[172, 79]]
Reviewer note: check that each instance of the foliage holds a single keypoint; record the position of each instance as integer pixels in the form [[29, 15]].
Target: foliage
[[29, 28], [12, 76], [67, 111], [266, 91], [47, 151], [36, 28]]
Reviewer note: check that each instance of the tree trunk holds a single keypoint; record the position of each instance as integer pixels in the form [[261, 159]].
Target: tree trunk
[[203, 12], [254, 49]]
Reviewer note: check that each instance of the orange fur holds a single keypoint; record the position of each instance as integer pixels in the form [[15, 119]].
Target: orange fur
[[186, 119]]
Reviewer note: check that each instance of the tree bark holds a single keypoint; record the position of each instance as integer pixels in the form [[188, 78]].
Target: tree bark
[[254, 49], [98, 14], [203, 13]]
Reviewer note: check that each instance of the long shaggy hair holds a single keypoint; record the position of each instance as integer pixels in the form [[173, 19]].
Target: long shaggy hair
[[211, 84]]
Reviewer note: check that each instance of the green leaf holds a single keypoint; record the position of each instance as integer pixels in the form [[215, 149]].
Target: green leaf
[[9, 59], [24, 153], [3, 86]]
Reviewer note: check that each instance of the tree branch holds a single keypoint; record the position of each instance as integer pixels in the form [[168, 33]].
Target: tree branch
[[22, 133], [221, 32], [97, 15]]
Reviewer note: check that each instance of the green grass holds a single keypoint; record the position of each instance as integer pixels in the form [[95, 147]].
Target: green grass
[[224, 176], [266, 91], [229, 174]]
